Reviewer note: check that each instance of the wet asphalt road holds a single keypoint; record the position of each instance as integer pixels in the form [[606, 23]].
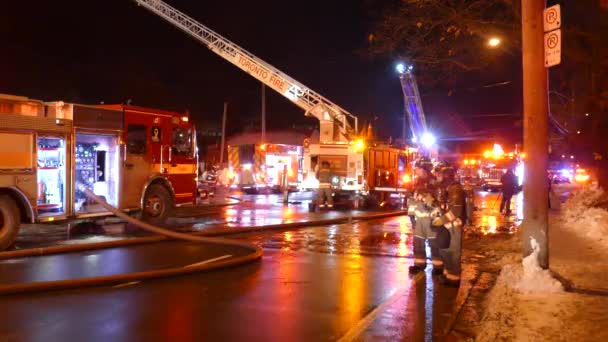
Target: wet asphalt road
[[314, 284]]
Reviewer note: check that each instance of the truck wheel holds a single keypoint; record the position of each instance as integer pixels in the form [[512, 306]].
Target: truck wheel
[[9, 222], [158, 204]]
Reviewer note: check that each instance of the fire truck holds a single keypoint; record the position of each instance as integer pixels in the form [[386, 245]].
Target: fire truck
[[356, 164], [137, 159], [261, 167]]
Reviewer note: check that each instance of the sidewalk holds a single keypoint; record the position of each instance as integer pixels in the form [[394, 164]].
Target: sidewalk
[[505, 300]]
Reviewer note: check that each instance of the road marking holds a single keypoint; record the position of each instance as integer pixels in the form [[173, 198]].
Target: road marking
[[363, 324], [126, 284], [209, 261]]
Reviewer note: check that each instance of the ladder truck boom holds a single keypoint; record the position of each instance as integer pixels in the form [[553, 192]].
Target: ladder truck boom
[[335, 122], [412, 102]]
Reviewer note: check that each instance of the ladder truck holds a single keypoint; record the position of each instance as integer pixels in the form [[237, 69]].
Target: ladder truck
[[358, 167], [412, 102]]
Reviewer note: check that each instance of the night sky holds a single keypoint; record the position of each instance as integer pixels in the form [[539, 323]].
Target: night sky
[[112, 51]]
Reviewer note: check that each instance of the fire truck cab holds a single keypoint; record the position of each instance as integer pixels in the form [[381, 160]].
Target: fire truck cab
[[135, 158]]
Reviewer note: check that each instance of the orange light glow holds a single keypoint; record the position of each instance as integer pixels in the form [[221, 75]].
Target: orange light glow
[[406, 178], [487, 154], [466, 162], [581, 177], [497, 151]]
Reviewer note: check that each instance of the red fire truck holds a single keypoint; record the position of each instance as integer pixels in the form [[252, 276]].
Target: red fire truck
[[136, 158]]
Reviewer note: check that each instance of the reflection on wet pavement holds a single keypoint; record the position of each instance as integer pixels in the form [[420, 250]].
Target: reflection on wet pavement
[[487, 220], [313, 283], [391, 238]]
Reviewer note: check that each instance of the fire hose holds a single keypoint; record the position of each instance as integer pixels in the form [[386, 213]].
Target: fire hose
[[255, 254]]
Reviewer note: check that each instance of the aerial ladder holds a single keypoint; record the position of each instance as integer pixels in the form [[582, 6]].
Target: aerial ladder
[[336, 124], [357, 168], [413, 105]]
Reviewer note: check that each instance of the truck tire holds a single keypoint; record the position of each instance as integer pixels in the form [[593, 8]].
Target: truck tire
[[9, 222], [158, 204]]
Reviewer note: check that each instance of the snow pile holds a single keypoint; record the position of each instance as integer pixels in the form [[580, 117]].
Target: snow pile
[[529, 277], [525, 303], [583, 219], [583, 199]]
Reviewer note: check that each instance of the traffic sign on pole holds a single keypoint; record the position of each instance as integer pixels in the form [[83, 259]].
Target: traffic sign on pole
[[553, 48], [552, 18], [552, 21]]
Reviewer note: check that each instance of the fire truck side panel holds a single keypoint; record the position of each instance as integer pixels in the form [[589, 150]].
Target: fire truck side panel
[[383, 164], [345, 163], [146, 140], [97, 166], [20, 155]]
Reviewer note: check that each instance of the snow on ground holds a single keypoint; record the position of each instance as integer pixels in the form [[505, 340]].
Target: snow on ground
[[527, 304], [583, 219]]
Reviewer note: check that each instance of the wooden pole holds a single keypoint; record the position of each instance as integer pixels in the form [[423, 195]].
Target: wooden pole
[[536, 144]]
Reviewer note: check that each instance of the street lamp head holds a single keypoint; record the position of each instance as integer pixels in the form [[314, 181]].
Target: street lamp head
[[494, 42]]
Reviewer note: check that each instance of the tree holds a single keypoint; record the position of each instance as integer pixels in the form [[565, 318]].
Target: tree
[[447, 41], [446, 37]]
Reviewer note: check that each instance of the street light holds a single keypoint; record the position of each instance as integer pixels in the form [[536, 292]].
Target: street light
[[494, 42]]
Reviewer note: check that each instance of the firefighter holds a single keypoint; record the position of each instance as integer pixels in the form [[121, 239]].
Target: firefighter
[[423, 231], [423, 182], [323, 175], [453, 220], [424, 210]]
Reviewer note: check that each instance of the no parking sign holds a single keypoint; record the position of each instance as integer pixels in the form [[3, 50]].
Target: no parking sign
[[552, 21]]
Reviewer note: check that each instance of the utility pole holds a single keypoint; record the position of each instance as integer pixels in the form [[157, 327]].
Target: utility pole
[[223, 143], [536, 114], [263, 113]]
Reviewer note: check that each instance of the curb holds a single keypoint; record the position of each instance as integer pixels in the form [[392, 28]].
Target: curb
[[570, 286]]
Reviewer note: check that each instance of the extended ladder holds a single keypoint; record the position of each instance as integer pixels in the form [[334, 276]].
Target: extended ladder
[[334, 120], [413, 104]]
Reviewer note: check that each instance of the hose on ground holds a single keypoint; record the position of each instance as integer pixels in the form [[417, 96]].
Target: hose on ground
[[255, 254]]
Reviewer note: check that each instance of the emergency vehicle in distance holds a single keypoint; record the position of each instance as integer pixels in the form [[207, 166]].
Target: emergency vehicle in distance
[[135, 158], [486, 169], [361, 167]]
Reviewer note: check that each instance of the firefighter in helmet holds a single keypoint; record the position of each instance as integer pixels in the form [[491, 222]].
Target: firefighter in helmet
[[423, 231], [424, 182], [453, 219], [323, 175], [423, 207]]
